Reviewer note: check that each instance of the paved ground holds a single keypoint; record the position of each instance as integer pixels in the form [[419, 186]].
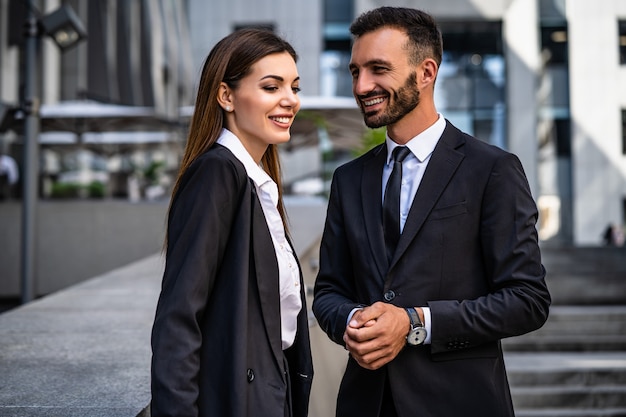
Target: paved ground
[[85, 351]]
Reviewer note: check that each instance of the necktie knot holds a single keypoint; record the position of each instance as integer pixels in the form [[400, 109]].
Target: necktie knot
[[399, 153]]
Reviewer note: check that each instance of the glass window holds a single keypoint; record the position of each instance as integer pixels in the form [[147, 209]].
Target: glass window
[[470, 88], [554, 45], [338, 15], [338, 11], [335, 77]]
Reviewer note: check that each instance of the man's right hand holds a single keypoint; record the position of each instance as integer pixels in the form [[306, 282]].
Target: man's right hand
[[376, 334]]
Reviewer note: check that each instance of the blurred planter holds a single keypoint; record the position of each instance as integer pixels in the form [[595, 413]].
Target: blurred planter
[[67, 190]]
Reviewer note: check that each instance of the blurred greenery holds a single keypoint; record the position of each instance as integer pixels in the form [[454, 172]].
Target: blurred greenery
[[371, 138], [94, 189], [317, 119], [65, 190], [152, 172]]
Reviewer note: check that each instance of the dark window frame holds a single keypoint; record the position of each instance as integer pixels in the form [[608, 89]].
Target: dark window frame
[[621, 40], [269, 26], [623, 131]]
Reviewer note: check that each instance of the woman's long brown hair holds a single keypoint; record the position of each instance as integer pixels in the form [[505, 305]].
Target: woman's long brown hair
[[229, 61]]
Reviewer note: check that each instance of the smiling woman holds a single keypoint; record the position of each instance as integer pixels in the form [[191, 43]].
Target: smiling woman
[[262, 106], [230, 336]]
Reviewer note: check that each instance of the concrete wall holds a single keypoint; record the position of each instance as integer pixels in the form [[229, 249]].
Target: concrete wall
[[299, 22], [597, 95], [521, 40], [9, 64], [78, 239]]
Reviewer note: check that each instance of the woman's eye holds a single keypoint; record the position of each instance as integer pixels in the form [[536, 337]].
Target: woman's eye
[[296, 90]]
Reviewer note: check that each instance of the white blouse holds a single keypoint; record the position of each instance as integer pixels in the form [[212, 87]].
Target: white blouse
[[289, 273]]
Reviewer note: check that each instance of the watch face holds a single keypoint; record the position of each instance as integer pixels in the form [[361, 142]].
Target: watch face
[[416, 336]]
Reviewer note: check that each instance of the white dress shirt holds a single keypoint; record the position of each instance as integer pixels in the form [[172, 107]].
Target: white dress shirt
[[413, 168], [289, 273]]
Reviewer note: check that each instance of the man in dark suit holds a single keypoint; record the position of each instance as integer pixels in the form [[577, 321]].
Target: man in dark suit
[[422, 314]]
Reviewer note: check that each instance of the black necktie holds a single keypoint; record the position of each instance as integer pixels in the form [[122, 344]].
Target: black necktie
[[391, 203]]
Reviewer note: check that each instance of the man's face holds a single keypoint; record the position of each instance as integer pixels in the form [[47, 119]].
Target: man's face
[[383, 82]]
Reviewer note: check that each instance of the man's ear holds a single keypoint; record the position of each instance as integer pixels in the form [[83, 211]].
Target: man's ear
[[427, 72], [224, 97]]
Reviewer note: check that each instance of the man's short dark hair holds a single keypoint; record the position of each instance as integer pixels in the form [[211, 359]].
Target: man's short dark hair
[[425, 39]]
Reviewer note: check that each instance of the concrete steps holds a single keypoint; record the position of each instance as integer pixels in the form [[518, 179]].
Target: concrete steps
[[576, 329], [585, 275], [574, 366], [617, 412], [572, 384], [578, 397]]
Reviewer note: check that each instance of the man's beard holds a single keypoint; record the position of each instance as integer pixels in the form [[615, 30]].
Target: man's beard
[[405, 99]]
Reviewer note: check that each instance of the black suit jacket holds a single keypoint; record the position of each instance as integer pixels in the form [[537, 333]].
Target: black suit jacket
[[216, 337], [469, 251]]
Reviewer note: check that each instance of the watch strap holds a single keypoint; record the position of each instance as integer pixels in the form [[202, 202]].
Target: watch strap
[[414, 317]]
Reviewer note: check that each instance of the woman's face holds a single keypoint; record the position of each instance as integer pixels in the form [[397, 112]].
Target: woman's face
[[265, 103]]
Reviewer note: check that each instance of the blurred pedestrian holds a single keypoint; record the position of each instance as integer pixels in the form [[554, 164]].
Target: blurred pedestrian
[[613, 235], [9, 175]]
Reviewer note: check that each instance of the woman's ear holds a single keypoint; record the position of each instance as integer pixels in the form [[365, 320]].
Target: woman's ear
[[224, 97]]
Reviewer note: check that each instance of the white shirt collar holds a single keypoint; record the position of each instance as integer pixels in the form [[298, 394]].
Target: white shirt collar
[[254, 171], [423, 144]]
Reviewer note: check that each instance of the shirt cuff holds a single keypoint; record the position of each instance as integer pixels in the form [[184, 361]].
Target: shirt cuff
[[427, 324], [354, 310]]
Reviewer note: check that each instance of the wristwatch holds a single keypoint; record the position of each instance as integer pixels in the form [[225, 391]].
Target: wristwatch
[[417, 333]]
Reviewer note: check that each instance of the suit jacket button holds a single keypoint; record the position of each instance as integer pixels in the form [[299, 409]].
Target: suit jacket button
[[250, 375], [389, 295]]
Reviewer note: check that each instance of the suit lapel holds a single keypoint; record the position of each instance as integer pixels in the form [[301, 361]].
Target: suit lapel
[[266, 268], [371, 201], [442, 166]]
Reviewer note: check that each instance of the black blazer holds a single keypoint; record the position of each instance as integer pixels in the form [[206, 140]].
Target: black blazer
[[216, 338], [469, 251]]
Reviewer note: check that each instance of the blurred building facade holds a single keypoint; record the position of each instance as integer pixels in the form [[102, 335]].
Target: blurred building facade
[[136, 54], [111, 102], [545, 79]]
